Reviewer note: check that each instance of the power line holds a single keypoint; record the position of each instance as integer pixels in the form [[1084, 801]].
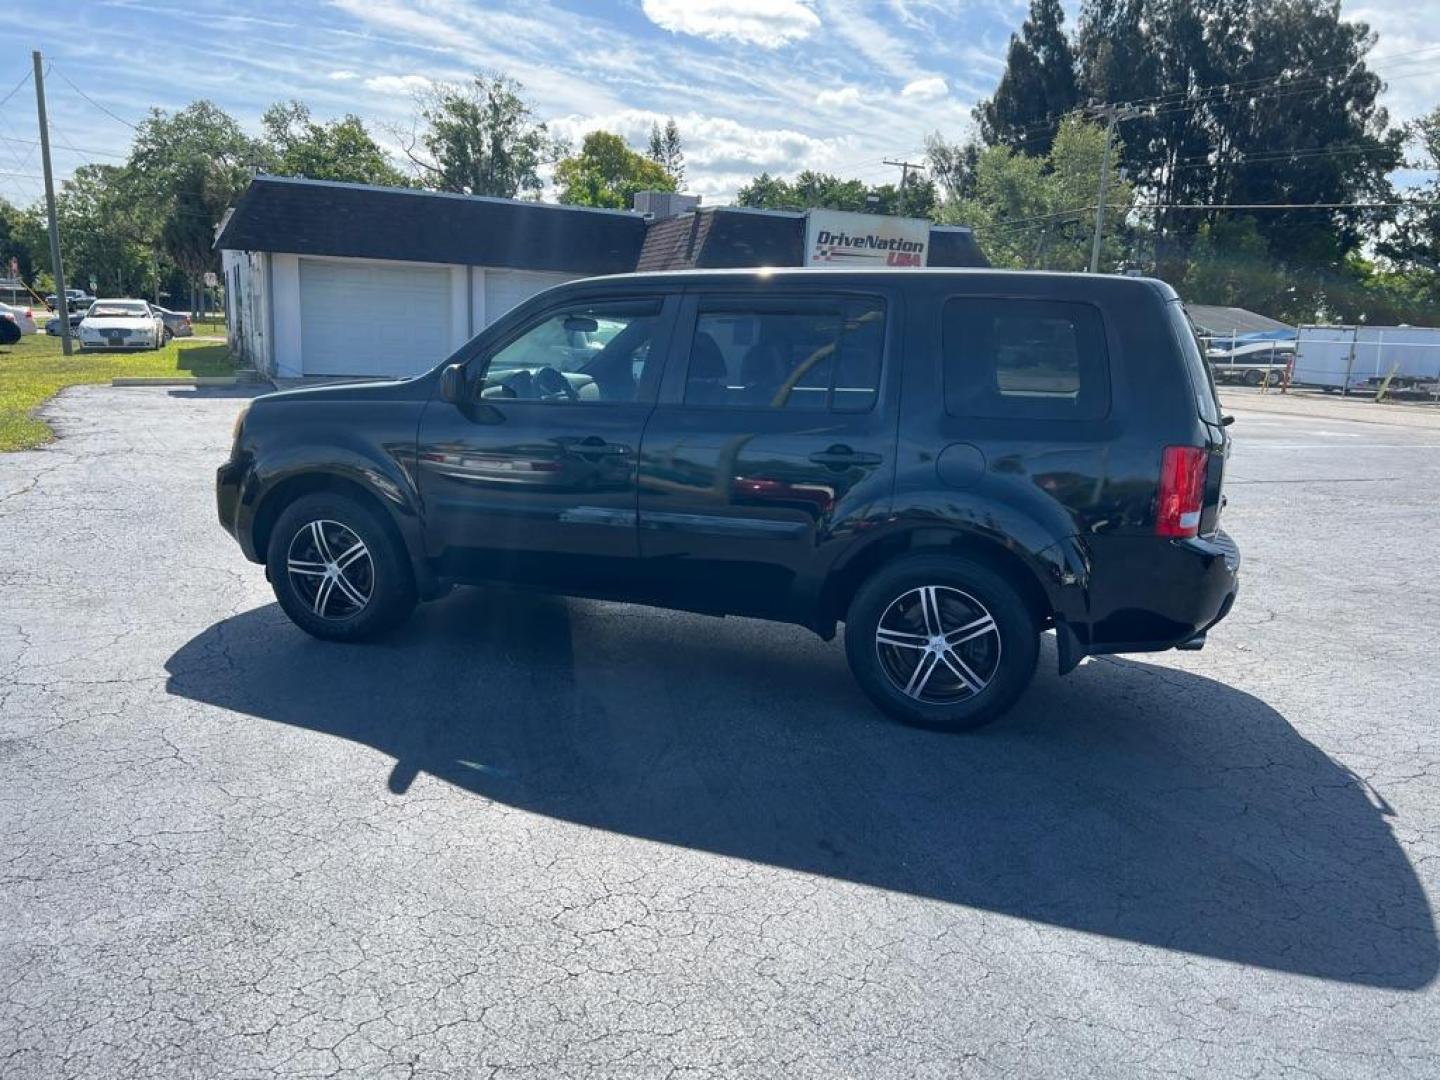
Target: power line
[[92, 101], [68, 146], [1418, 203], [1186, 100], [16, 88]]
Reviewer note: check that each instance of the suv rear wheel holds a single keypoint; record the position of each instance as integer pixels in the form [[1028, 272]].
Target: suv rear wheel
[[941, 642], [336, 570]]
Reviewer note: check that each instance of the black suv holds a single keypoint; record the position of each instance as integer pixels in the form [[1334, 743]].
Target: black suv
[[949, 462]]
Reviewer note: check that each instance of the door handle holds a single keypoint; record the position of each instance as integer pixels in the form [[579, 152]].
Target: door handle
[[842, 457], [595, 445]]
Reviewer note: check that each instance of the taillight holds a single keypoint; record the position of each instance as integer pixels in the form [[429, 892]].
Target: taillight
[[1182, 491]]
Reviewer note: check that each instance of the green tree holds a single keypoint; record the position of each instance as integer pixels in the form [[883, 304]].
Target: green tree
[[100, 238], [1038, 86], [1037, 212], [295, 145], [666, 151], [1412, 250], [817, 190], [952, 165], [183, 172], [21, 238], [1251, 102], [481, 138], [608, 173]]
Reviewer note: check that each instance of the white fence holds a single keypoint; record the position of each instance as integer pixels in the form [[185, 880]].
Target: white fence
[[1351, 358]]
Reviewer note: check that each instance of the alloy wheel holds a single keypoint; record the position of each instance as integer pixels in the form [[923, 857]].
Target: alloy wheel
[[938, 645], [331, 569]]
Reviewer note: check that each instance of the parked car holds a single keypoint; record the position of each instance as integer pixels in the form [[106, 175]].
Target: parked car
[[121, 324], [23, 317], [9, 330], [177, 323], [948, 462], [52, 325], [74, 299]]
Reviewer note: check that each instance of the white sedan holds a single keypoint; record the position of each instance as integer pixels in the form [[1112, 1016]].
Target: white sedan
[[121, 324], [22, 317]]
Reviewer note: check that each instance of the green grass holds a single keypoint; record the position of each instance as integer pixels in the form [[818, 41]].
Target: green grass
[[33, 370]]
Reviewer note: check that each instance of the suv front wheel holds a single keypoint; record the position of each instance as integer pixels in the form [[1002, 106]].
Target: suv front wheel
[[941, 642], [336, 569]]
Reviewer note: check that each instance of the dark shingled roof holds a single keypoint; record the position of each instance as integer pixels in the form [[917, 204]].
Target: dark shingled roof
[[318, 217], [1232, 320], [321, 217]]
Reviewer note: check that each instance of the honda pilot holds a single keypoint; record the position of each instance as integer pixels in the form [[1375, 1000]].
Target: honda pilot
[[948, 463]]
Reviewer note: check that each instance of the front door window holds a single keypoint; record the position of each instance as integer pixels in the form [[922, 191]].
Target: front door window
[[592, 353]]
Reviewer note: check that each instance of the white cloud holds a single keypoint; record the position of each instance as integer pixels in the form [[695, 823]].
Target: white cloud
[[343, 76], [767, 23], [397, 84], [721, 154], [926, 89], [1412, 76], [845, 95]]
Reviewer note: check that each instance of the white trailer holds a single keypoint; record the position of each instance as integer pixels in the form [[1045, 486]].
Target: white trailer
[[1350, 357]]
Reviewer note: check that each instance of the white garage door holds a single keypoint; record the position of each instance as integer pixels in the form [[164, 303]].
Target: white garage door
[[372, 319], [506, 288]]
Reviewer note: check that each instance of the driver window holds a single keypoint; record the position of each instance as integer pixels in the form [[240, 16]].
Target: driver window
[[587, 353]]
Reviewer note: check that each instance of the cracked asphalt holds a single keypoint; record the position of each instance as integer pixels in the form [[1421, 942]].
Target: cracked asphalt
[[531, 837]]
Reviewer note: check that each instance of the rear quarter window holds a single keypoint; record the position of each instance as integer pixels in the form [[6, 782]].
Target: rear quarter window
[[1202, 379], [1036, 359]]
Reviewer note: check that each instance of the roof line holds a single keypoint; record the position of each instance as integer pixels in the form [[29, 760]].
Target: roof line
[[305, 181]]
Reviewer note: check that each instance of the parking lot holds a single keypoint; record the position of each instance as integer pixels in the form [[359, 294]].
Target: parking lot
[[534, 837]]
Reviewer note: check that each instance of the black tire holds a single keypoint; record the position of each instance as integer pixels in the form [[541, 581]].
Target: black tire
[[1254, 378], [380, 575], [167, 336], [1000, 659]]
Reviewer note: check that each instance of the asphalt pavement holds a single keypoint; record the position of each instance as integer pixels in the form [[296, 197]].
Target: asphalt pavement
[[533, 837]]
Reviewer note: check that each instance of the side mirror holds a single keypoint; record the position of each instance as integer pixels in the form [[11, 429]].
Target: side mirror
[[452, 384]]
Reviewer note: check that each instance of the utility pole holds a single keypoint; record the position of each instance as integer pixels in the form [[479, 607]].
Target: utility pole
[[904, 167], [1111, 114], [62, 302]]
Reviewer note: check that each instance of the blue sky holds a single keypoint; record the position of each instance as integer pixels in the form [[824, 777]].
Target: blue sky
[[755, 85]]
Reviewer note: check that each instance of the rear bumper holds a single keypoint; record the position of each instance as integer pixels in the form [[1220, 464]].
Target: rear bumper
[[1188, 587]]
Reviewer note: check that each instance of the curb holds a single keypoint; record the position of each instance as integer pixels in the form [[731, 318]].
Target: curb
[[184, 380]]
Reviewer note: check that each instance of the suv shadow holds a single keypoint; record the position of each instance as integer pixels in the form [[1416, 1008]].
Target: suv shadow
[[1155, 806]]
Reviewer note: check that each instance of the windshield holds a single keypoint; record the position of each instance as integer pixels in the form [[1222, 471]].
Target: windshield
[[118, 309]]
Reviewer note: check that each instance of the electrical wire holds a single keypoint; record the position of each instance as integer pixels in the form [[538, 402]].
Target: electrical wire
[[92, 101], [16, 88]]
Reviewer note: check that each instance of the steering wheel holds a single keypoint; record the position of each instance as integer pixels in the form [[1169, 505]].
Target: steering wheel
[[550, 383]]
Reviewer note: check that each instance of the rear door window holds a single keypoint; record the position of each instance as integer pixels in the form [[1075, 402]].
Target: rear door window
[[1038, 359], [802, 355]]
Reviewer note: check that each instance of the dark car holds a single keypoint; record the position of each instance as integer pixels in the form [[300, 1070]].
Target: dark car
[[52, 327], [948, 462]]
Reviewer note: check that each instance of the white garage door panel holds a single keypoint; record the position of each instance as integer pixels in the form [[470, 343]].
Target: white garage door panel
[[506, 288], [363, 319]]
